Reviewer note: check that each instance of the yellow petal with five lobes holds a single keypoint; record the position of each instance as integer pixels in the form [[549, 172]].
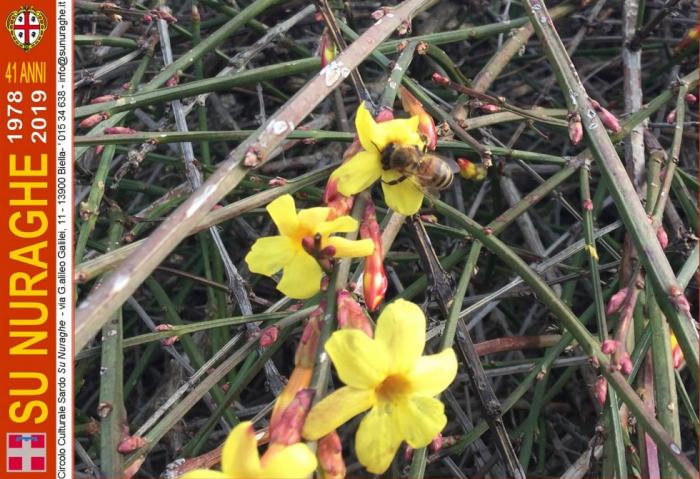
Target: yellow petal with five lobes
[[293, 462], [360, 361], [420, 419], [310, 218], [301, 278], [358, 173], [402, 132], [336, 409], [341, 224], [366, 130], [434, 373], [284, 214], [239, 457], [345, 248], [404, 197], [401, 329], [377, 439], [270, 254], [205, 474]]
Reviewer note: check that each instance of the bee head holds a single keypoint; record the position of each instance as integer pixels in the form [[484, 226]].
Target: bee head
[[386, 155]]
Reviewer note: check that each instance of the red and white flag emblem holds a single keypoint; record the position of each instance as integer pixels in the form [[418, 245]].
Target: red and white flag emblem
[[26, 452], [26, 27]]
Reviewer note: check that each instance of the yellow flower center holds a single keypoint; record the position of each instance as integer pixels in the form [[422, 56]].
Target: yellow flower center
[[394, 388]]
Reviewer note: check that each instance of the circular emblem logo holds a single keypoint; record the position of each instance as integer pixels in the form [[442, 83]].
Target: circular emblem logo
[[26, 26]]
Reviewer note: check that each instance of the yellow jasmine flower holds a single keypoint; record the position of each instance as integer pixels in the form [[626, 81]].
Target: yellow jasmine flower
[[363, 169], [388, 376], [240, 459], [302, 273]]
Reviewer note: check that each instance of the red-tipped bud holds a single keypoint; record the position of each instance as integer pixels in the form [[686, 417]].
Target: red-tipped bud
[[408, 453], [682, 304], [147, 19], [385, 114], [489, 108], [351, 315], [676, 352], [662, 237], [130, 444], [374, 280], [439, 79], [436, 445], [339, 204], [404, 28], [616, 301], [600, 390], [167, 341], [432, 219], [277, 181], [626, 364], [671, 117], [103, 99], [173, 80], [269, 335], [306, 350], [691, 99], [609, 346], [327, 48], [92, 120], [99, 149], [587, 205], [608, 119], [330, 457], [575, 128], [471, 171], [426, 124], [119, 130], [309, 245], [287, 430]]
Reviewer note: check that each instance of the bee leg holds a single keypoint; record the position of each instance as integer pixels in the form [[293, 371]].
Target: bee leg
[[396, 181]]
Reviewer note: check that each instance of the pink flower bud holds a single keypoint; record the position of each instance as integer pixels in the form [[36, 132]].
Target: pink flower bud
[[351, 315], [575, 128], [489, 108], [130, 444], [676, 352], [309, 245], [426, 124], [338, 203], [92, 120], [330, 456], [408, 453], [103, 99], [616, 301], [609, 346], [287, 429], [587, 205], [662, 237], [327, 48], [167, 341], [404, 28], [436, 444], [306, 350], [438, 79], [173, 80], [377, 14], [626, 364], [119, 130], [277, 181], [609, 120], [269, 335], [374, 279], [600, 390], [691, 99], [671, 117], [147, 19], [99, 149], [385, 114]]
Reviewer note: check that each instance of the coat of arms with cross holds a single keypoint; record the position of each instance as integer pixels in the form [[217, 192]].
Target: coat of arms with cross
[[26, 26]]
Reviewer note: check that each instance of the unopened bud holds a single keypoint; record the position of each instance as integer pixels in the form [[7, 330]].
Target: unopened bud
[[130, 444], [575, 128], [92, 120], [439, 79], [426, 124], [377, 14], [385, 114], [374, 279], [671, 117], [436, 444], [170, 340], [609, 346], [277, 181], [103, 99], [330, 457], [616, 301], [489, 108], [404, 28], [587, 205], [408, 453], [608, 119], [173, 80], [662, 237], [676, 352], [626, 364], [287, 430], [351, 314], [268, 336], [306, 350], [691, 99], [327, 48], [119, 130], [338, 203], [600, 390], [470, 170]]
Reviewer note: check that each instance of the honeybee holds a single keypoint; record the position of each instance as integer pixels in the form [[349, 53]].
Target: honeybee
[[430, 171]]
